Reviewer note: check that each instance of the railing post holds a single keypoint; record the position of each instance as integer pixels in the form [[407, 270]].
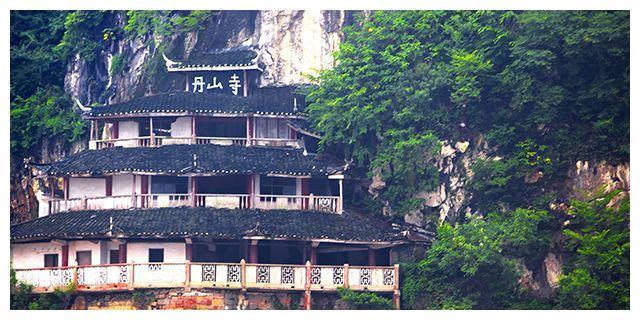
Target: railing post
[[187, 275], [396, 286], [307, 287], [75, 276], [346, 276], [243, 274], [131, 279], [312, 205], [84, 202]]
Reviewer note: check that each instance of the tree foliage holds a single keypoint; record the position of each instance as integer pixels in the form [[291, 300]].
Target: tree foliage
[[22, 297], [476, 265], [546, 88], [364, 300], [597, 276]]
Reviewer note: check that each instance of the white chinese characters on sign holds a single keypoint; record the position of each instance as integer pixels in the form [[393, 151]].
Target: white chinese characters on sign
[[234, 83], [199, 84], [215, 84]]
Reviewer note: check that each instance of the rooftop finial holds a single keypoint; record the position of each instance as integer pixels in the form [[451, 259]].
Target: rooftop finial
[[295, 104], [79, 104], [195, 160]]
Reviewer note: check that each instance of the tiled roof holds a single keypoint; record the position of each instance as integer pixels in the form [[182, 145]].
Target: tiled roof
[[302, 126], [185, 159], [270, 101], [206, 222], [229, 59]]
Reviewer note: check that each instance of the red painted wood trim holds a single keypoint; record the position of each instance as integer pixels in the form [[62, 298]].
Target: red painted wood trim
[[65, 186], [253, 253], [108, 186], [122, 253], [144, 189], [314, 255], [372, 257], [65, 256], [114, 130], [189, 251], [249, 189]]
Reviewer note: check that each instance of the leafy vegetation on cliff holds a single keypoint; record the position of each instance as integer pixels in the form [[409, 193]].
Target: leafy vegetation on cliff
[[542, 88], [545, 88], [42, 42]]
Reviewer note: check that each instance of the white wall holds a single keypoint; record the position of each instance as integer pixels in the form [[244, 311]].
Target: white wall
[[139, 251], [121, 184], [31, 255], [181, 127], [84, 245], [128, 129], [105, 247], [89, 187]]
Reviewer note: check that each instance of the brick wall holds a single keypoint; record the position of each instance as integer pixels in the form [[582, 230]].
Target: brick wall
[[201, 299]]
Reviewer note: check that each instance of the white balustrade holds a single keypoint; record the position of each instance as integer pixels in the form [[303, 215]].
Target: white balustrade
[[221, 275], [159, 275]]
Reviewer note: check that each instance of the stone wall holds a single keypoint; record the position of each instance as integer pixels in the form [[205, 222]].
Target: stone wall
[[203, 299]]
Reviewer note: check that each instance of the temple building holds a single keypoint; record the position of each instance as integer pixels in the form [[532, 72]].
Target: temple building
[[218, 185]]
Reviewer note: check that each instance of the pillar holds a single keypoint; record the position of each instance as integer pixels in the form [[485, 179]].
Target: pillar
[[122, 253], [253, 251], [188, 252], [314, 253], [372, 257], [340, 199], [64, 256]]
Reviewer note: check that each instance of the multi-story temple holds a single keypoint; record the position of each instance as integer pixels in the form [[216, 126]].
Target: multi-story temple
[[218, 185]]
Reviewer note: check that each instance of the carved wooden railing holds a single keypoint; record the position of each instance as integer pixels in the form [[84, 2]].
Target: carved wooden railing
[[205, 275], [169, 140], [230, 201]]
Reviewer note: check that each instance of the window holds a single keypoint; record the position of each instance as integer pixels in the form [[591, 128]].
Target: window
[[83, 258], [169, 185], [114, 256], [156, 255], [277, 185], [50, 260], [272, 128]]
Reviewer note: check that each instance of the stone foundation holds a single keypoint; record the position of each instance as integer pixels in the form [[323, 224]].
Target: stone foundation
[[203, 299]]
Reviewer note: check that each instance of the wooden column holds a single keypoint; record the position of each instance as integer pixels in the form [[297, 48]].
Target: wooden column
[[65, 187], [193, 191], [396, 287], [345, 275], [64, 256], [188, 257], [249, 130], [372, 257], [245, 90], [340, 209], [108, 181], [193, 130], [152, 136], [133, 192], [253, 251], [122, 253], [250, 190], [307, 287], [314, 253]]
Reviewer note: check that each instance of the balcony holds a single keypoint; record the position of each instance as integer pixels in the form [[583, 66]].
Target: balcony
[[228, 201], [129, 276], [168, 140]]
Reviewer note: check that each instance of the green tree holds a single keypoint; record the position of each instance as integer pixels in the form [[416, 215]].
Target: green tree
[[546, 88], [597, 275], [476, 265]]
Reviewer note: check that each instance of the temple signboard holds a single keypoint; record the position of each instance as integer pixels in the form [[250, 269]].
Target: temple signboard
[[221, 82]]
